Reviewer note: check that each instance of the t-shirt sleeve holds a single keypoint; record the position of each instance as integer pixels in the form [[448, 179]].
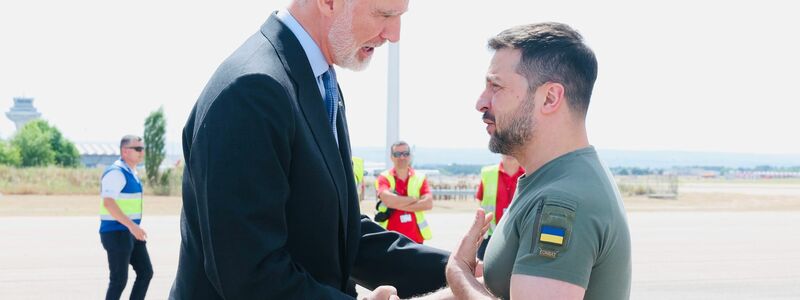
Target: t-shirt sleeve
[[382, 185], [479, 194], [557, 241], [112, 184]]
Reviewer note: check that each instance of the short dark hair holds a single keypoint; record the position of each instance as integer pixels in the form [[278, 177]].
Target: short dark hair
[[399, 143], [553, 52], [128, 139]]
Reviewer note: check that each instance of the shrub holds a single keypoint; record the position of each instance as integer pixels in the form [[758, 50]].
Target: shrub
[[9, 154]]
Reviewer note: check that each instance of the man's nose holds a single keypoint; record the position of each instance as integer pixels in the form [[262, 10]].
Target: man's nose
[[483, 103], [392, 31]]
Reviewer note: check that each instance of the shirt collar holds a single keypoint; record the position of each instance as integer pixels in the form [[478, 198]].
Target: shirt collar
[[410, 172], [519, 172], [319, 65], [121, 163]]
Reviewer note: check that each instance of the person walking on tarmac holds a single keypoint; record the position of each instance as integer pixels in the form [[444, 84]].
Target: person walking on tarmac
[[496, 190], [120, 216], [403, 197]]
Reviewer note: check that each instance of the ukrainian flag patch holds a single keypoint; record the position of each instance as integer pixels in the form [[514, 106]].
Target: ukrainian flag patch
[[552, 235]]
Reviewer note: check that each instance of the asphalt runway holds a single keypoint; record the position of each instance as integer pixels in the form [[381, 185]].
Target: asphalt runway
[[676, 255]]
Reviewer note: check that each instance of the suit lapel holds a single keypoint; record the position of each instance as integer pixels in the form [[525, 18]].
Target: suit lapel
[[311, 104], [351, 203], [344, 150]]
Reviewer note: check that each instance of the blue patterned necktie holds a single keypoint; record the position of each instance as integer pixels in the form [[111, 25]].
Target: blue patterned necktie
[[331, 98]]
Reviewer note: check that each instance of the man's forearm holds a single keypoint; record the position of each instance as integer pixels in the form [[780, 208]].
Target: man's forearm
[[464, 285], [392, 200], [426, 203]]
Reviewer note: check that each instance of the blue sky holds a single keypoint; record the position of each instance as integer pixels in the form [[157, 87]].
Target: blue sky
[[678, 75]]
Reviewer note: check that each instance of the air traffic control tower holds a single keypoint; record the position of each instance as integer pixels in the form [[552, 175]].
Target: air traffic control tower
[[22, 112]]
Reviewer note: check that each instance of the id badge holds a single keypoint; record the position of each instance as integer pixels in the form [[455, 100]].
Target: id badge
[[405, 218]]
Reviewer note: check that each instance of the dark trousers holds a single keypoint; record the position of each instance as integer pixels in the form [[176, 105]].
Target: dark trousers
[[123, 249], [482, 248]]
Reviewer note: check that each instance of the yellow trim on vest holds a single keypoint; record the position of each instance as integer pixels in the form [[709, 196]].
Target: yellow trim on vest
[[489, 177], [130, 207]]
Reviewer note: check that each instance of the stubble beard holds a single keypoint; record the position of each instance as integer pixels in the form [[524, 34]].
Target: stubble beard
[[521, 125]]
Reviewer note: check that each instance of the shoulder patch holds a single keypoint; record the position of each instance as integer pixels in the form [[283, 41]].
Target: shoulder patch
[[553, 228]]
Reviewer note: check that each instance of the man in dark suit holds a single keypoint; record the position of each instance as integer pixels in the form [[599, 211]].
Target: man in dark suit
[[269, 204]]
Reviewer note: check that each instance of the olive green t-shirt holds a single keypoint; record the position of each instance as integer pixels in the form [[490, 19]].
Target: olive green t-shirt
[[566, 222]]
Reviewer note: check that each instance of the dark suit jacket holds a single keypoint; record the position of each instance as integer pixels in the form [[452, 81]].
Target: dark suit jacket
[[269, 201]]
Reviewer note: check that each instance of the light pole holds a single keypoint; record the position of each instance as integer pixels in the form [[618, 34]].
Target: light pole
[[392, 101]]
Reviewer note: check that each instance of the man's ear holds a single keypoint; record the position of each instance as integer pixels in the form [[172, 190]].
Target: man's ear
[[554, 97], [325, 7]]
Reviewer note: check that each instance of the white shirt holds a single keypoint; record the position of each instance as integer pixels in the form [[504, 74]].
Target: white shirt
[[319, 65], [114, 181]]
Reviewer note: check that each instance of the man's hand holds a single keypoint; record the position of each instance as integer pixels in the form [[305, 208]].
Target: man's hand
[[116, 212], [138, 232], [465, 254], [462, 268], [383, 292]]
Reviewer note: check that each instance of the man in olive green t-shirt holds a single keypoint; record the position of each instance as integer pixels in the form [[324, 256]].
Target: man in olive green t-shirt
[[565, 235], [567, 224]]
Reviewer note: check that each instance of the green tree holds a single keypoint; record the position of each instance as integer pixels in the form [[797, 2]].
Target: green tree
[[9, 154], [155, 126], [33, 142], [40, 144], [66, 154]]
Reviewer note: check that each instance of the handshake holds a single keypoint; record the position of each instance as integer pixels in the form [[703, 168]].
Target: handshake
[[462, 268], [381, 293]]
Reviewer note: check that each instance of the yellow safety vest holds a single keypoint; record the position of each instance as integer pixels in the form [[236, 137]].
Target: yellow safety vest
[[414, 184], [489, 177], [358, 169], [129, 200]]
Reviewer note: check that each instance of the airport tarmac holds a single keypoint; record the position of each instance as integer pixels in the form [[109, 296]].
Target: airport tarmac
[[676, 255]]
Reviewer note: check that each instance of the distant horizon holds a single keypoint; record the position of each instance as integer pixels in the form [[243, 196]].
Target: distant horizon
[[655, 159], [659, 159], [619, 149], [178, 145]]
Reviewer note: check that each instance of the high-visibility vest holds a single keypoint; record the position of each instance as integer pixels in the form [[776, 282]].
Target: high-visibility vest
[[414, 185], [358, 169], [129, 200], [489, 177]]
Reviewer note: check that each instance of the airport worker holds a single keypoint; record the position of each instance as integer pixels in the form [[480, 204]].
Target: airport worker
[[358, 172], [122, 237], [404, 196], [496, 190]]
